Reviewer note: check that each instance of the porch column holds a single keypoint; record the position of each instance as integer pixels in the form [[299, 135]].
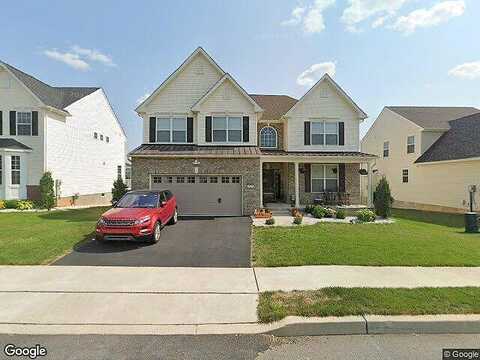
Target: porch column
[[297, 186], [261, 184], [369, 185]]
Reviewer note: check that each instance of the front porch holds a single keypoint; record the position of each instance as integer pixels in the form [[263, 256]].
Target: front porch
[[332, 182]]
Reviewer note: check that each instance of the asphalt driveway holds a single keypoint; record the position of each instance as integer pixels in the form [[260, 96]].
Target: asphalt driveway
[[216, 242]]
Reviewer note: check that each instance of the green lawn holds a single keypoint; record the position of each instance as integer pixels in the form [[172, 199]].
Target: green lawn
[[415, 239], [274, 306], [38, 238]]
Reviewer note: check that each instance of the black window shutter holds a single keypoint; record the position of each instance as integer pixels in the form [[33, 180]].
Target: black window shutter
[[341, 133], [1, 123], [208, 129], [341, 177], [13, 123], [35, 123], [153, 129], [189, 129], [308, 181], [246, 129], [306, 133]]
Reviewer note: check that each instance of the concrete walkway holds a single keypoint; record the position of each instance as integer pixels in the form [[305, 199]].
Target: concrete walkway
[[46, 296]]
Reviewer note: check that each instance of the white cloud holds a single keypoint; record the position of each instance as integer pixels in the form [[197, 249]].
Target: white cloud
[[143, 98], [468, 71], [93, 55], [439, 13], [311, 17], [310, 76], [361, 10], [72, 60]]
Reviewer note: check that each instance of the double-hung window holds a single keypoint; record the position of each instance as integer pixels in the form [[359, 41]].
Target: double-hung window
[[24, 123], [324, 133], [386, 149], [324, 177], [227, 128], [1, 170], [405, 175], [119, 171], [172, 130], [410, 144], [15, 169]]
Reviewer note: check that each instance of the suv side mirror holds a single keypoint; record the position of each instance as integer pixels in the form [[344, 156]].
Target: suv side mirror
[[114, 203], [163, 203]]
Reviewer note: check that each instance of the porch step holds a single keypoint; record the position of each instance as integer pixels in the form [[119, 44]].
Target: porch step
[[281, 212]]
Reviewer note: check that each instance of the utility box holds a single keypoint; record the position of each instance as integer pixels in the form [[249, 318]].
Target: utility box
[[471, 222]]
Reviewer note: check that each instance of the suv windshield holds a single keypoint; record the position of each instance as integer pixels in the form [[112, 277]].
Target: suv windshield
[[145, 200]]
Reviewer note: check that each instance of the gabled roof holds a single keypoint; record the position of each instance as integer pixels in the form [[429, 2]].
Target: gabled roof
[[215, 86], [432, 117], [461, 141], [172, 76], [55, 97], [327, 78], [13, 145], [274, 106]]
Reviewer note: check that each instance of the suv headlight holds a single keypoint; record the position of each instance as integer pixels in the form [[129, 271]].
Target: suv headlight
[[101, 222], [143, 220]]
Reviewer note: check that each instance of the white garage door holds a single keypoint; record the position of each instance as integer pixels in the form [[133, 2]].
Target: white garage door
[[206, 195]]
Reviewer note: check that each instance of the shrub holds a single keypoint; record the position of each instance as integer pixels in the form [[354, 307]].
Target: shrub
[[119, 189], [318, 212], [47, 193], [341, 214], [24, 205], [366, 215], [382, 199], [10, 204], [2, 204], [270, 221], [330, 213], [309, 209], [297, 220]]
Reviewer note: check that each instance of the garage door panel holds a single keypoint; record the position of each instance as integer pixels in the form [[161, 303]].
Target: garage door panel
[[204, 198]]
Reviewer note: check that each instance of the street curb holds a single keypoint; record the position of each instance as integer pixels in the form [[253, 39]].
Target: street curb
[[290, 326]]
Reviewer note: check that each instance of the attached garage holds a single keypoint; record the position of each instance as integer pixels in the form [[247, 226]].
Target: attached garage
[[203, 195]]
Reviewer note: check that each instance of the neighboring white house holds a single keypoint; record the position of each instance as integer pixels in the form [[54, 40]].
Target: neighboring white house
[[70, 131], [429, 155]]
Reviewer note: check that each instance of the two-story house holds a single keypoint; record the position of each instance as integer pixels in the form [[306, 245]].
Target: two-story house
[[223, 151], [430, 155], [69, 131]]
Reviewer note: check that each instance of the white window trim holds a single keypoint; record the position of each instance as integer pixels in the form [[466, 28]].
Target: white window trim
[[386, 148], [324, 132], [226, 128], [276, 137], [324, 178], [19, 170], [1, 169], [409, 144], [31, 122], [170, 117], [405, 176]]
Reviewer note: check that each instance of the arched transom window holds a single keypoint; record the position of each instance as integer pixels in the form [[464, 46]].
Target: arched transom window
[[268, 137]]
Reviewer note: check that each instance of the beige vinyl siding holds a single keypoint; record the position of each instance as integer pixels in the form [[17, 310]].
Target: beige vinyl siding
[[334, 107]]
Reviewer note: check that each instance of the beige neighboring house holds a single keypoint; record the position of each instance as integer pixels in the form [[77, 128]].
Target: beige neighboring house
[[223, 151], [430, 155]]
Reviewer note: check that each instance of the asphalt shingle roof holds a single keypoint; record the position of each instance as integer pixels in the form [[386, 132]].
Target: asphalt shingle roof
[[462, 141], [433, 117], [13, 144], [56, 97], [274, 106]]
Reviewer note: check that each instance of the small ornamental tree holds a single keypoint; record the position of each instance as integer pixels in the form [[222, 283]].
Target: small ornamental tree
[[382, 199], [47, 193], [119, 189]]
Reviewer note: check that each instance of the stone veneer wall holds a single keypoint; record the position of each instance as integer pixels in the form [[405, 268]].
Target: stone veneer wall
[[352, 184], [249, 168], [278, 127]]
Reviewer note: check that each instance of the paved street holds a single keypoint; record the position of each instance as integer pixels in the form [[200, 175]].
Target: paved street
[[236, 347]]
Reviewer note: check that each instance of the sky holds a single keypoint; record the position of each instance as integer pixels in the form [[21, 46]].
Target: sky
[[382, 52]]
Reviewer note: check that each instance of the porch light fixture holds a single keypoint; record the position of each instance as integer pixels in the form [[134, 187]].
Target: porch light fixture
[[363, 172], [196, 162]]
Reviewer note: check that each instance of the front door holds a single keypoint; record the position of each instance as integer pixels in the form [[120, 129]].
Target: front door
[[271, 185]]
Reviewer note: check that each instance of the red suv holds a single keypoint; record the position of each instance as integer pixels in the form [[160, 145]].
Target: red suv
[[138, 215]]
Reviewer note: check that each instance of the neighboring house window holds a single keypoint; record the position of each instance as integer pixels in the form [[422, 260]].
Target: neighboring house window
[[107, 139], [172, 130], [324, 133], [119, 171], [386, 149], [324, 177], [15, 168], [24, 123], [95, 135], [410, 144], [1, 170], [227, 128], [405, 175], [268, 137], [101, 137]]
